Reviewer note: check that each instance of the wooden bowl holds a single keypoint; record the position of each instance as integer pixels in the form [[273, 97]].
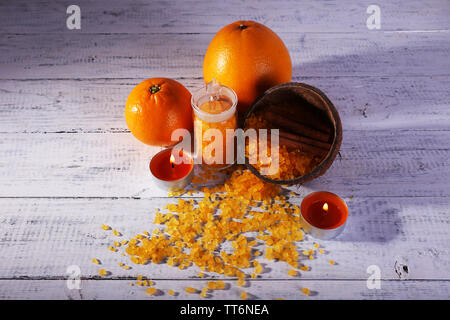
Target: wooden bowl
[[306, 100]]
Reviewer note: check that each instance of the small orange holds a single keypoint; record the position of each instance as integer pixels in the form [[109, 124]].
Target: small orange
[[155, 108], [249, 58]]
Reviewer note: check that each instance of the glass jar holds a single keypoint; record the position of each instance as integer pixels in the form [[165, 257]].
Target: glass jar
[[214, 112]]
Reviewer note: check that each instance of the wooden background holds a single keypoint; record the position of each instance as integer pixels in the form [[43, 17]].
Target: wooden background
[[68, 163]]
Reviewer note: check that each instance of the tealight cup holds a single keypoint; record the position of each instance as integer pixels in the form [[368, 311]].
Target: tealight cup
[[171, 171], [324, 214]]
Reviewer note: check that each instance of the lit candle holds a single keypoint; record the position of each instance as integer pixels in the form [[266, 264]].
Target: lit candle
[[324, 214], [171, 174]]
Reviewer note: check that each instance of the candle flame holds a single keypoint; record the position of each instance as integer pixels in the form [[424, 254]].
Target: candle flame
[[325, 207], [172, 159]]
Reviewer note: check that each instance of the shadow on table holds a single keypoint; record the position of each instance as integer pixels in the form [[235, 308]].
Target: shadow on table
[[371, 221]]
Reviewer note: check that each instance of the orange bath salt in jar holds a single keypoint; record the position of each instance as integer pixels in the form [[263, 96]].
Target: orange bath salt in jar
[[215, 114]]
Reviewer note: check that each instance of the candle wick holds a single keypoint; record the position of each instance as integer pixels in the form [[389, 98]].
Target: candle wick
[[172, 165]]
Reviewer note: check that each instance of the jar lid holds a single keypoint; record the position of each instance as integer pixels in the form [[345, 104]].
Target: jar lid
[[214, 91]]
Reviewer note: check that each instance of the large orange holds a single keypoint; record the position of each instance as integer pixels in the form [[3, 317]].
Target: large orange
[[249, 58], [156, 107]]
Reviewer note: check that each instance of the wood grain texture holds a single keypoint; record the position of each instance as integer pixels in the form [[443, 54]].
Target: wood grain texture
[[364, 103], [44, 16], [81, 56], [68, 163], [267, 290], [42, 237], [372, 163]]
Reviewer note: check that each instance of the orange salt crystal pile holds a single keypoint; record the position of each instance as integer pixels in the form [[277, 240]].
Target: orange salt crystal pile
[[292, 163], [239, 214], [194, 231]]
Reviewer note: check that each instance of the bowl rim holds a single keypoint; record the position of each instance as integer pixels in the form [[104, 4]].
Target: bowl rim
[[326, 162]]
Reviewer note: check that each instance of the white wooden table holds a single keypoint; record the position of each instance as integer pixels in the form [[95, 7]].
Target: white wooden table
[[69, 164]]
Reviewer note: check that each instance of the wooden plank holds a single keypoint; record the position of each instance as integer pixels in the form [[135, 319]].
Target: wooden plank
[[209, 16], [49, 106], [79, 56], [267, 290], [42, 237], [372, 163]]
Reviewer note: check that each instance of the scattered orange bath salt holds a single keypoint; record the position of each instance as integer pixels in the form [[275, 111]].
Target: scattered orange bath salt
[[304, 268], [321, 251], [241, 282], [332, 262], [244, 295], [292, 273], [112, 248], [145, 283], [306, 291], [204, 293], [124, 242], [116, 233], [311, 257], [105, 227], [151, 290], [220, 285], [191, 290], [193, 231], [201, 274], [171, 292], [211, 285], [252, 243], [316, 245], [117, 244], [102, 272], [139, 277], [96, 261]]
